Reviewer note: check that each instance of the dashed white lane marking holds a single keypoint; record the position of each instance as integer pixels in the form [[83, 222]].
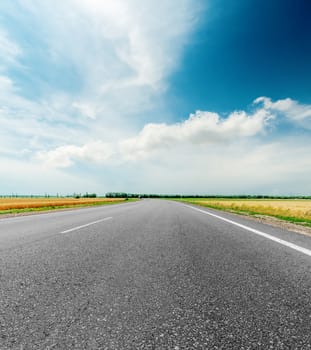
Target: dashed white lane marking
[[257, 232], [88, 224]]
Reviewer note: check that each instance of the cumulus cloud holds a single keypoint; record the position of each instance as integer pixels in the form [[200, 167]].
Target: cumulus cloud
[[203, 128], [200, 128], [291, 109]]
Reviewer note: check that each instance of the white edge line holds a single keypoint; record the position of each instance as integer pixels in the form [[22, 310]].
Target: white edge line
[[257, 232], [89, 224]]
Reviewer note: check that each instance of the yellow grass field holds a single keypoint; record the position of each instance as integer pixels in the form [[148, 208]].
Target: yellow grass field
[[28, 203], [296, 209]]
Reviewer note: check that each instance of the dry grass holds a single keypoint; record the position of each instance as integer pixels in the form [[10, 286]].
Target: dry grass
[[292, 209], [27, 203]]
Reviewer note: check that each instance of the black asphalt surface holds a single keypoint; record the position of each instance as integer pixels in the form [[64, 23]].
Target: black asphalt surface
[[154, 275]]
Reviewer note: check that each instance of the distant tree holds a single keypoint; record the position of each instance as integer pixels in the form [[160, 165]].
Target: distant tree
[[89, 195]]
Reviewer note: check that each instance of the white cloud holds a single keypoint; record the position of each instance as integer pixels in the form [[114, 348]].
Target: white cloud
[[204, 154], [291, 109], [145, 38], [121, 42], [64, 156], [200, 128]]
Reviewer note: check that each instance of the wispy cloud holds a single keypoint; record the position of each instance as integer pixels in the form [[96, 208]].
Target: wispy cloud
[[10, 51], [88, 66], [121, 43]]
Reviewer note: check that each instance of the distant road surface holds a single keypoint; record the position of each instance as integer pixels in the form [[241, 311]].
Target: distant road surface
[[152, 274]]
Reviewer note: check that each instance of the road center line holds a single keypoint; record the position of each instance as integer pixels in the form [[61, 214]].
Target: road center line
[[89, 224], [257, 232]]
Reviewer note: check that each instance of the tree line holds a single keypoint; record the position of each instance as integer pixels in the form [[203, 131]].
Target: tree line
[[241, 196]]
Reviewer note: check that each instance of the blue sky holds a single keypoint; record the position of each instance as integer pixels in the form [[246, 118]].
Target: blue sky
[[245, 49], [183, 96]]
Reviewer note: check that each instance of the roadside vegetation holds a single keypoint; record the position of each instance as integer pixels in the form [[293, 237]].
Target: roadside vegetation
[[296, 211], [16, 204], [291, 209]]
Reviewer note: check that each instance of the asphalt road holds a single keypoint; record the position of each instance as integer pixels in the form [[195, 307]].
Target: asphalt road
[[151, 275]]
